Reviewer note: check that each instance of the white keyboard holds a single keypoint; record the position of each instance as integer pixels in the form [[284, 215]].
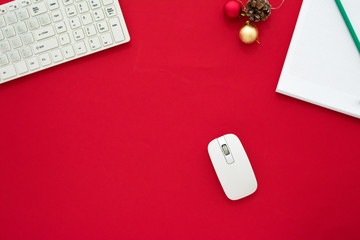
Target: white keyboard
[[38, 34]]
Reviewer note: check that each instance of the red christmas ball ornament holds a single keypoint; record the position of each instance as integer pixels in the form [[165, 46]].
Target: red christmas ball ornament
[[232, 9]]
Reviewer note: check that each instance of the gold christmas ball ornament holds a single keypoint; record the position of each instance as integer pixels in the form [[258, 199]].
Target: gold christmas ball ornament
[[248, 33]]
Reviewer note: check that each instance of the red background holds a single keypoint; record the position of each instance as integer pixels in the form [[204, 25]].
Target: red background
[[114, 145]]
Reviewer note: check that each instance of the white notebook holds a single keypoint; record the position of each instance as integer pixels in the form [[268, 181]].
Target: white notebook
[[322, 65]]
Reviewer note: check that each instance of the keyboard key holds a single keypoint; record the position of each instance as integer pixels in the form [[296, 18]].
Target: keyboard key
[[21, 67], [9, 31], [14, 5], [3, 9], [45, 45], [86, 19], [4, 46], [56, 55], [25, 3], [33, 63], [68, 51], [68, 2], [60, 27], [38, 9], [94, 43], [53, 4], [90, 30], [28, 38], [110, 11], [56, 16], [33, 24], [45, 59], [22, 14], [94, 4], [106, 39], [75, 23], [14, 56], [44, 19], [83, 7], [64, 39], [116, 30], [3, 59], [80, 48], [107, 2], [78, 34], [21, 28], [11, 18], [98, 15], [44, 32], [25, 51], [7, 72], [15, 42], [70, 11], [102, 27]]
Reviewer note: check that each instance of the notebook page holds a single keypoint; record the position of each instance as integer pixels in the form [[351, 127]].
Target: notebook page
[[352, 10], [322, 65]]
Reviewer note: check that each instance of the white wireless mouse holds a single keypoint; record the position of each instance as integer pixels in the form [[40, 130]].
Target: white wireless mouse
[[232, 167]]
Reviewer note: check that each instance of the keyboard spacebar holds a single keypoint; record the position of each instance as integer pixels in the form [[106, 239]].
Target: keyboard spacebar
[[45, 45]]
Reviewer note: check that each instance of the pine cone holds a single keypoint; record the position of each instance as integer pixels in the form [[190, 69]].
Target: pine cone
[[257, 10]]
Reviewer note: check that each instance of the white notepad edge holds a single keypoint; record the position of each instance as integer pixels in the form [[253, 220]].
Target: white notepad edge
[[297, 91], [307, 91]]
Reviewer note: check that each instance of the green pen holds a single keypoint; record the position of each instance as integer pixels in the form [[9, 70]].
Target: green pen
[[348, 24]]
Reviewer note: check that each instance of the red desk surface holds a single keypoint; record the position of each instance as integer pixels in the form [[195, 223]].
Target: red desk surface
[[114, 145]]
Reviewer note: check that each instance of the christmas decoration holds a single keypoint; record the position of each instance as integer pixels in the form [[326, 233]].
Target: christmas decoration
[[257, 10], [248, 33], [232, 9]]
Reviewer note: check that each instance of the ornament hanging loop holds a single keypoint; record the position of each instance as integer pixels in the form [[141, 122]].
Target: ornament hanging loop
[[242, 13]]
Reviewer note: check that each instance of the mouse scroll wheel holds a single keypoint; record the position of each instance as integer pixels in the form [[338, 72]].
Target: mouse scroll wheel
[[225, 149]]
